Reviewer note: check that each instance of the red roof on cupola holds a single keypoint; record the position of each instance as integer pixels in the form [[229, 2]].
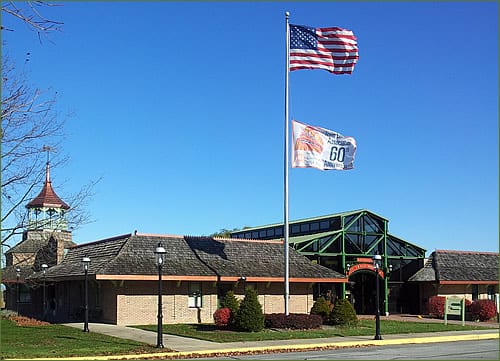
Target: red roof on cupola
[[47, 196]]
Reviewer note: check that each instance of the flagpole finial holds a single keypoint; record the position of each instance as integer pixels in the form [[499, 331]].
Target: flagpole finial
[[287, 14]]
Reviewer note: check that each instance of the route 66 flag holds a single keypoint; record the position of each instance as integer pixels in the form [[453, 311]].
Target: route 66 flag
[[315, 147]]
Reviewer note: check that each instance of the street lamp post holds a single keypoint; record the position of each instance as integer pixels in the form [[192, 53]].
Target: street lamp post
[[86, 262], [160, 254], [377, 262], [44, 270], [18, 276], [244, 280]]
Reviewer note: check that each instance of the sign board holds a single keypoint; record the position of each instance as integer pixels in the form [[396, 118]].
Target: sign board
[[454, 306], [362, 266]]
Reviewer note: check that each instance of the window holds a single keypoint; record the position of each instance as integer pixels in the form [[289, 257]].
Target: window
[[262, 233], [491, 292], [98, 295], [295, 229], [315, 246], [24, 293], [304, 227], [475, 292], [315, 226], [194, 294], [270, 232], [324, 225]]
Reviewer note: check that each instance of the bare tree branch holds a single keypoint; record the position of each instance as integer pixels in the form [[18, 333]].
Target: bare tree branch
[[30, 121], [29, 14]]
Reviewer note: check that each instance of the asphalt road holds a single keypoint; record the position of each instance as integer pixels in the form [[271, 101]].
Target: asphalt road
[[462, 350]]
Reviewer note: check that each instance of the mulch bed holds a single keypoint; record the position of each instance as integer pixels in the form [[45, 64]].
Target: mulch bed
[[27, 321]]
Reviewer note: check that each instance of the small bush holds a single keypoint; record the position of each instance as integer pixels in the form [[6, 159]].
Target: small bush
[[436, 306], [321, 308], [343, 314], [222, 317], [250, 316], [296, 321], [483, 310]]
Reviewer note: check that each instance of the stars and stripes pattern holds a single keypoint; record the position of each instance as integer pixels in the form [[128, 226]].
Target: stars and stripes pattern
[[331, 49]]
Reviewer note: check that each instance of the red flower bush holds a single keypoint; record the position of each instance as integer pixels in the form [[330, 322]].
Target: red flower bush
[[468, 303], [222, 317], [483, 310], [436, 306]]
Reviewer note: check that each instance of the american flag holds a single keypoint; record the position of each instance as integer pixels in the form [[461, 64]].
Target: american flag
[[332, 49]]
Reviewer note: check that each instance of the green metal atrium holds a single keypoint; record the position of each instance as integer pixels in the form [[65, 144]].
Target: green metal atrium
[[346, 243]]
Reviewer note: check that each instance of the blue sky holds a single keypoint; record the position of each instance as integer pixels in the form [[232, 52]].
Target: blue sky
[[179, 107]]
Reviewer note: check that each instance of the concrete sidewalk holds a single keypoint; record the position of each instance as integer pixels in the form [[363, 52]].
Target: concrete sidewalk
[[172, 342], [176, 346]]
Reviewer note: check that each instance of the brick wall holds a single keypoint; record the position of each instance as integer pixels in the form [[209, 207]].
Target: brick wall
[[464, 290], [137, 302]]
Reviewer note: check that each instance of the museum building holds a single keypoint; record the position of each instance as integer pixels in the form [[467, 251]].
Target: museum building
[[331, 256]]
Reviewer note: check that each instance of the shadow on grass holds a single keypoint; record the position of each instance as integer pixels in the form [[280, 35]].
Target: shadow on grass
[[67, 337], [207, 327]]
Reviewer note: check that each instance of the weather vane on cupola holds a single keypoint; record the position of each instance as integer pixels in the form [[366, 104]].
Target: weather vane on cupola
[[47, 210]]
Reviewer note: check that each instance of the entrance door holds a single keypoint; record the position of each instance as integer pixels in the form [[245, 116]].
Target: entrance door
[[363, 292]]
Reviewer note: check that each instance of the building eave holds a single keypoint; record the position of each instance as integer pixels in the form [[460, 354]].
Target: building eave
[[492, 282]]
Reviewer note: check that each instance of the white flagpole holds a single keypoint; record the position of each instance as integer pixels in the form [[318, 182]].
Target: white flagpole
[[285, 223]]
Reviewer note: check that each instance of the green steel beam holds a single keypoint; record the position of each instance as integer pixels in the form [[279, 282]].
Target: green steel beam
[[361, 214], [333, 239], [342, 250]]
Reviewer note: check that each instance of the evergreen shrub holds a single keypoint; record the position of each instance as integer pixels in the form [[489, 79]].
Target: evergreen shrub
[[250, 316], [343, 314], [321, 308], [230, 301]]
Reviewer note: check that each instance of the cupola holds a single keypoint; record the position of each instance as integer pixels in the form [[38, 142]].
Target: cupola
[[47, 210]]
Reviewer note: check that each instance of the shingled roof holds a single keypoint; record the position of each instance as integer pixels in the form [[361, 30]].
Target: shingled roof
[[33, 244], [459, 267], [34, 250], [202, 258]]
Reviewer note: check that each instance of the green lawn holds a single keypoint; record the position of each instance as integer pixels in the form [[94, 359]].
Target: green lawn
[[210, 332], [61, 341]]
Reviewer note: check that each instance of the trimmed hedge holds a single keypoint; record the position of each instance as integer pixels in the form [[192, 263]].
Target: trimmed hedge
[[295, 321]]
